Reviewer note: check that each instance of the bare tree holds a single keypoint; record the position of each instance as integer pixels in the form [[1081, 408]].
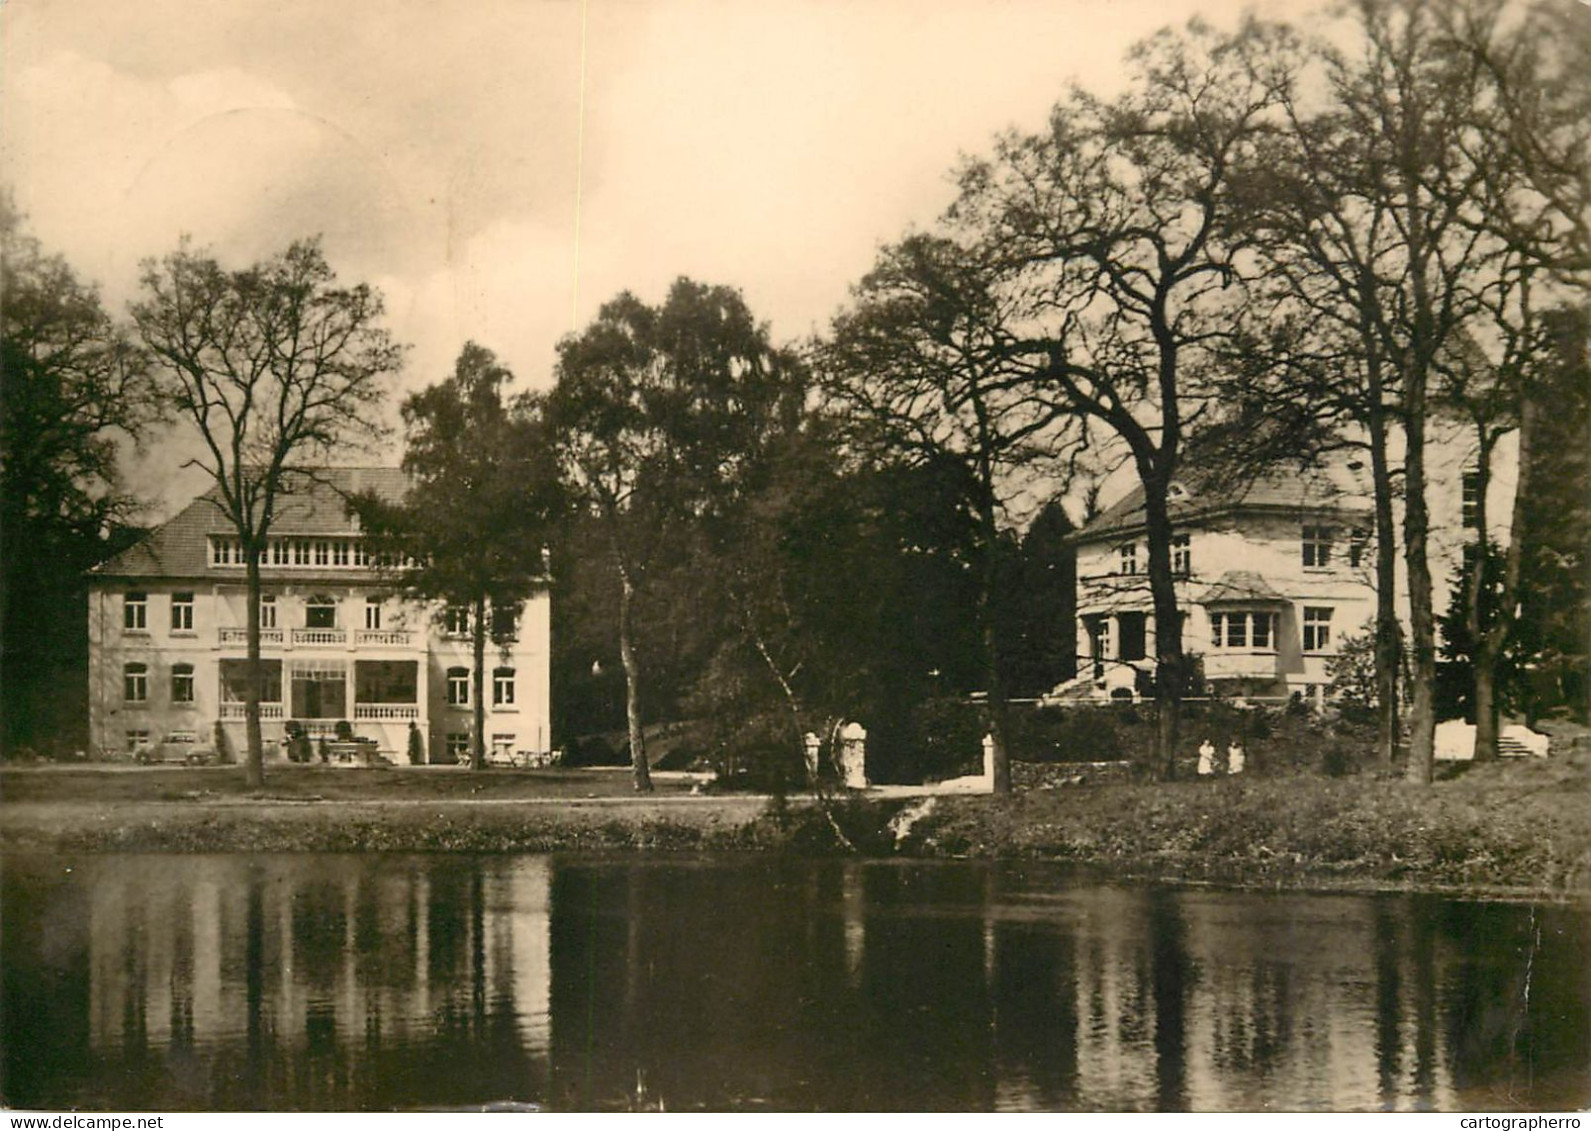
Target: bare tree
[[1401, 223], [276, 367], [1117, 233]]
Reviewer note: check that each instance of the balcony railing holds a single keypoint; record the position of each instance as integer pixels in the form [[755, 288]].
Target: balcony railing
[[240, 636], [384, 637], [320, 637], [236, 711], [384, 712]]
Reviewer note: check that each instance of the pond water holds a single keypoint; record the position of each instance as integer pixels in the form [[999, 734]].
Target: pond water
[[429, 982]]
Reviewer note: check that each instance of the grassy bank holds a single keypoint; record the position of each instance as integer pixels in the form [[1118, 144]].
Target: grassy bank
[[1522, 828], [1518, 828]]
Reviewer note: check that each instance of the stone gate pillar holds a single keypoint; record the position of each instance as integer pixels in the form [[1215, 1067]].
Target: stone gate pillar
[[811, 745], [853, 755]]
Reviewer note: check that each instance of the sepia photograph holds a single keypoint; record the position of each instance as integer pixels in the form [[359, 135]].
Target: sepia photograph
[[958, 556]]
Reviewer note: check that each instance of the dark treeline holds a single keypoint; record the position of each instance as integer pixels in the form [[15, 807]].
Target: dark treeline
[[1275, 244]]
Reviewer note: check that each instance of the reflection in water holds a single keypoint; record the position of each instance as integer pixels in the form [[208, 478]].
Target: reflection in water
[[333, 982]]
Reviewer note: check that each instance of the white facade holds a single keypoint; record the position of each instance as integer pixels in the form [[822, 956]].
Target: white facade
[[168, 635], [1272, 577], [1246, 597]]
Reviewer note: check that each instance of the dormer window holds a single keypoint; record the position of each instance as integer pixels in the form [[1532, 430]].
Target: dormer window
[[1317, 547], [1127, 555], [226, 551]]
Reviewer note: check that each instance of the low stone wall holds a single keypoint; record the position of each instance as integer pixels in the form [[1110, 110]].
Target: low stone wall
[[1055, 775]]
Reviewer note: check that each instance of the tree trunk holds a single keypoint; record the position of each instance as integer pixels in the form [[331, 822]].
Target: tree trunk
[[1169, 672], [1422, 617], [1389, 634], [1486, 721], [632, 683], [1483, 657], [1492, 643], [999, 722], [478, 643], [254, 762]]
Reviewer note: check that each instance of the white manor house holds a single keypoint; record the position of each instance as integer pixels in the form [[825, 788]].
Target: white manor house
[[1272, 574], [168, 637]]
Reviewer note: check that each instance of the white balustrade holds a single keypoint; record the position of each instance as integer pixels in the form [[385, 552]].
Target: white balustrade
[[240, 636], [386, 637], [320, 637], [376, 712], [237, 711]]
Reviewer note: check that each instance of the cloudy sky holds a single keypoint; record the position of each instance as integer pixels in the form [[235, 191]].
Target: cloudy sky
[[499, 168]]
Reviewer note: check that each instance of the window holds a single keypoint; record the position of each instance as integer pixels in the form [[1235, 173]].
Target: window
[[1182, 555], [503, 687], [339, 553], [227, 552], [1358, 543], [235, 681], [320, 612], [182, 612], [279, 552], [1099, 629], [456, 621], [1133, 631], [1317, 629], [1470, 499], [386, 681], [458, 746], [182, 683], [135, 612], [268, 610], [372, 612], [1243, 631], [137, 740], [361, 554], [318, 690], [135, 683], [322, 552], [504, 618], [1317, 547], [1128, 552], [300, 552], [502, 746], [458, 687]]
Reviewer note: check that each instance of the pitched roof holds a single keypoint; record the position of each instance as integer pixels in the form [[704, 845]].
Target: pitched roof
[[1195, 496], [1240, 585], [179, 548]]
